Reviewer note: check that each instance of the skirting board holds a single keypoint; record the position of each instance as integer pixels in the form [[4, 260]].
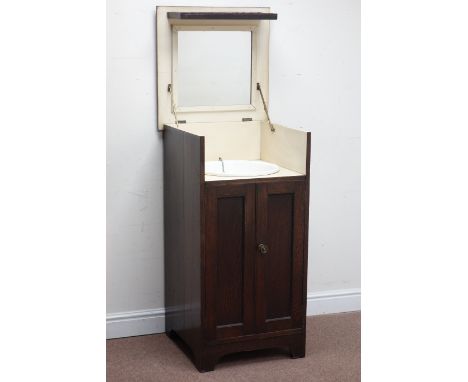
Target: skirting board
[[333, 301], [141, 322], [135, 323]]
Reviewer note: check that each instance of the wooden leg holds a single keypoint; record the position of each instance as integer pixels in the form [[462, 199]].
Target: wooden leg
[[205, 363], [297, 350]]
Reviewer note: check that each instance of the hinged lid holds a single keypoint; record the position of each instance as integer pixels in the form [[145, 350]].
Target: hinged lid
[[212, 64]]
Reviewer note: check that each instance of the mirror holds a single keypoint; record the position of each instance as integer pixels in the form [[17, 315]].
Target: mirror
[[213, 68]]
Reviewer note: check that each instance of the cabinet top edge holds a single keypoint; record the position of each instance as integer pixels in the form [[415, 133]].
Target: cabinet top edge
[[219, 183]]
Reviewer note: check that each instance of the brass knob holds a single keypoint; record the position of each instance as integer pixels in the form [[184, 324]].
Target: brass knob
[[263, 248]]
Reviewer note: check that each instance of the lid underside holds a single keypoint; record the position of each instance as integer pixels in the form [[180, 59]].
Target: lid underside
[[173, 23]]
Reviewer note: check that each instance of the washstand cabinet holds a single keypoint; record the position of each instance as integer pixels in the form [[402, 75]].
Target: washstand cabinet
[[235, 246]]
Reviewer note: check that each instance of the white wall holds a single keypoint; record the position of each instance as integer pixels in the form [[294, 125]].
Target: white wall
[[314, 84]]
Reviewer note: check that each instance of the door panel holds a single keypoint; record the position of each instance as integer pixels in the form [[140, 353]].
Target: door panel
[[230, 252], [279, 274], [278, 266]]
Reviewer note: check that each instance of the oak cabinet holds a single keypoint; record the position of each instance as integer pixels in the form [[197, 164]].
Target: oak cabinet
[[235, 235], [235, 257]]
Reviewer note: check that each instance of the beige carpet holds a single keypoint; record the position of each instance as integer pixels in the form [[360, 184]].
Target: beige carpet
[[333, 353]]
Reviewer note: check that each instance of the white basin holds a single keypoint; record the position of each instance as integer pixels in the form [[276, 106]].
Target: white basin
[[240, 168]]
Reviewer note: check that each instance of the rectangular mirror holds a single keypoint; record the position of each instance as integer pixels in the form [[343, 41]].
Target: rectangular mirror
[[214, 68]]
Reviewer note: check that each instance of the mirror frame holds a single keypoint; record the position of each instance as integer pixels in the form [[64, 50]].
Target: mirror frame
[[253, 67]]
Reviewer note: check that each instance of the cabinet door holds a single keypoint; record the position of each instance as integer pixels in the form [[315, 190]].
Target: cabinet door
[[280, 222], [230, 260]]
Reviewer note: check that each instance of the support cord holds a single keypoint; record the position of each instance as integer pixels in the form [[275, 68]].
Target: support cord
[[173, 106], [272, 128]]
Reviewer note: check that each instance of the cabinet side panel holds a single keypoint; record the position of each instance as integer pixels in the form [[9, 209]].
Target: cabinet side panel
[[183, 166], [193, 152], [173, 228]]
